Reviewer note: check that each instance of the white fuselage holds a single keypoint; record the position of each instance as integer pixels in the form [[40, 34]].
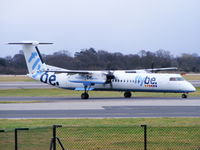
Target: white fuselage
[[141, 82]]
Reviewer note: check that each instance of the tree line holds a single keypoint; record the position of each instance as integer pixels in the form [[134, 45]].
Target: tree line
[[91, 59]]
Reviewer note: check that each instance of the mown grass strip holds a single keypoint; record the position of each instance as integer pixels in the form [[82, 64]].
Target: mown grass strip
[[192, 77], [106, 137], [7, 102], [15, 78], [153, 122], [119, 133]]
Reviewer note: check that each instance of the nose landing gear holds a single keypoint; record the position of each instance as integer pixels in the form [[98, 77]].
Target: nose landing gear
[[127, 94], [184, 95]]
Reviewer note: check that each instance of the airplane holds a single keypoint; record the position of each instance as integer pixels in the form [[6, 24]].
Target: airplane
[[127, 81]]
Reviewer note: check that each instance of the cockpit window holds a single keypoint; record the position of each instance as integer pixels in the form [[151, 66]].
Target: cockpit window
[[176, 79]]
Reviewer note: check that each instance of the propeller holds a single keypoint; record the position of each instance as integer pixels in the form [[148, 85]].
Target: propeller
[[109, 77]]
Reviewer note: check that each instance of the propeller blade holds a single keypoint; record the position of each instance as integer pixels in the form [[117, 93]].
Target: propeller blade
[[111, 84]]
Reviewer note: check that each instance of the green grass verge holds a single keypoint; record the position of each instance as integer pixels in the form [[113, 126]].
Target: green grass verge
[[7, 102], [191, 77], [68, 93], [153, 122], [15, 78], [112, 134]]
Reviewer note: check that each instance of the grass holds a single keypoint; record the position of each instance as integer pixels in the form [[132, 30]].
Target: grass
[[191, 77], [7, 102], [15, 78], [153, 122], [68, 93], [112, 134]]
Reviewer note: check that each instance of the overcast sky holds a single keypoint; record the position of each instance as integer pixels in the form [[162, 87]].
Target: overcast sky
[[126, 26]]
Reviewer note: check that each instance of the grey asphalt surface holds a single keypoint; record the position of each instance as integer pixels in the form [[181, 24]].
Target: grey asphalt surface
[[68, 99], [73, 107], [100, 107]]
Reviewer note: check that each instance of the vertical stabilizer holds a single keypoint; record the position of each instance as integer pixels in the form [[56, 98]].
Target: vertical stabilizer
[[32, 55]]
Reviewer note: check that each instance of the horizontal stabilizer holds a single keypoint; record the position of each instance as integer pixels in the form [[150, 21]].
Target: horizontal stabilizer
[[32, 55], [28, 43]]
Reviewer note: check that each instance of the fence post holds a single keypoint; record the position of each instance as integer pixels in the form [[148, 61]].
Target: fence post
[[16, 138], [54, 135], [145, 136]]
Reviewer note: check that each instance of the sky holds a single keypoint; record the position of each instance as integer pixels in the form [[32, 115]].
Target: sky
[[125, 26]]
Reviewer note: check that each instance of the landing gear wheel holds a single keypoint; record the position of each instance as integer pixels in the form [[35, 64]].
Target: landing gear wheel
[[184, 96], [127, 94], [84, 95]]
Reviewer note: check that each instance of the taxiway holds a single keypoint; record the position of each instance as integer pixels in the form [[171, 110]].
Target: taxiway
[[60, 107]]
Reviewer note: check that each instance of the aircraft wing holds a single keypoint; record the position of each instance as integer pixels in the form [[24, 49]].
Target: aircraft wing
[[161, 69], [85, 72], [153, 70]]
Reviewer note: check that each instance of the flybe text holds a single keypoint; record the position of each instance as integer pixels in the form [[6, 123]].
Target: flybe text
[[51, 79], [146, 81]]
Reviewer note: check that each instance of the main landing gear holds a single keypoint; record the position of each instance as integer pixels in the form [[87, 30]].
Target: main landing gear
[[127, 94], [85, 95], [184, 95]]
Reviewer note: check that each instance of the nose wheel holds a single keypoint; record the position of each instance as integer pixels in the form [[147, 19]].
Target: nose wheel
[[127, 94], [184, 95]]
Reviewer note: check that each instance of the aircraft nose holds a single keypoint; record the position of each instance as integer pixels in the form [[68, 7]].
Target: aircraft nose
[[188, 87], [191, 88]]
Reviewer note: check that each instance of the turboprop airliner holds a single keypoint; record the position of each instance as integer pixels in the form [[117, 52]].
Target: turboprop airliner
[[126, 81]]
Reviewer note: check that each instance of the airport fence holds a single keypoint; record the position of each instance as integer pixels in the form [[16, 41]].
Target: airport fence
[[101, 138]]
